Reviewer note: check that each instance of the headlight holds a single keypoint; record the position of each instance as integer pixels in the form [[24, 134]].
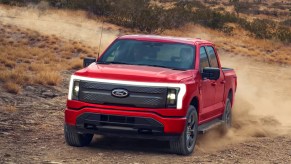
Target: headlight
[[172, 97], [75, 91]]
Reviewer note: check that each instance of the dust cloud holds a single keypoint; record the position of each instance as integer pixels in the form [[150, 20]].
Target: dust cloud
[[262, 106], [71, 25]]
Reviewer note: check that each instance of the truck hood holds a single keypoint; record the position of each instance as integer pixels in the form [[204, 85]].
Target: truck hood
[[134, 73]]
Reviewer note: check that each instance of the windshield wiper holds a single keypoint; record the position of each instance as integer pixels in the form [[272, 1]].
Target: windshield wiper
[[113, 62], [153, 65]]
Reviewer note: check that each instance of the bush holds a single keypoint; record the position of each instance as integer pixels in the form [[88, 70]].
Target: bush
[[241, 7], [227, 29], [5, 1], [135, 14], [213, 19], [19, 2], [286, 22], [179, 15], [284, 34], [260, 28]]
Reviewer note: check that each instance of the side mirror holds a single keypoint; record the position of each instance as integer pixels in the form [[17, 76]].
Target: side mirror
[[211, 73], [87, 61]]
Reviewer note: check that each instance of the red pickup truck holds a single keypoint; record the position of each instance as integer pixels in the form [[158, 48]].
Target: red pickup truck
[[152, 87]]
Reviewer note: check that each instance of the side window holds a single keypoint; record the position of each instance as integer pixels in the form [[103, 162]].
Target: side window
[[204, 62], [212, 56]]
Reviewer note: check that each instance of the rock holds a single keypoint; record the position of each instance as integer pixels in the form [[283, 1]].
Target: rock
[[50, 162], [100, 154], [30, 88], [48, 94], [5, 133], [7, 155]]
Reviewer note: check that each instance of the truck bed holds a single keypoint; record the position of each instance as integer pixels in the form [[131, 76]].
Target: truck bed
[[226, 69], [230, 79]]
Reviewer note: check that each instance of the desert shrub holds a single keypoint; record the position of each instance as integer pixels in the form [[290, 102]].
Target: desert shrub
[[241, 7], [279, 5], [179, 15], [267, 29], [19, 2], [5, 1], [212, 2], [227, 29], [220, 9], [260, 28], [286, 22], [149, 18], [213, 19], [132, 14], [284, 34]]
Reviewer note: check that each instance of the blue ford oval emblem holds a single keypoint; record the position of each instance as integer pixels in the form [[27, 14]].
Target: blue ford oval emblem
[[119, 93]]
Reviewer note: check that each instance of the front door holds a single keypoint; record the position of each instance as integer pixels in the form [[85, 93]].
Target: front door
[[207, 89], [219, 83]]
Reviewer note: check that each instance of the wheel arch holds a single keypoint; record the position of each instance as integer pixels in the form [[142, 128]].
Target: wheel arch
[[230, 96], [195, 102]]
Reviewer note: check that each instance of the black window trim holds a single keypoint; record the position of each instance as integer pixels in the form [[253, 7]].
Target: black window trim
[[203, 46], [214, 54]]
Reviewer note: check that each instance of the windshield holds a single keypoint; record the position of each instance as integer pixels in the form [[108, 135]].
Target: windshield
[[157, 54]]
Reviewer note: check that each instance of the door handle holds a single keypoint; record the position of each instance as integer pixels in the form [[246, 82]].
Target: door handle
[[223, 82], [213, 83]]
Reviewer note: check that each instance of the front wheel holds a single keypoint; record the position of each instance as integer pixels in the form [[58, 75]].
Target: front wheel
[[186, 142], [75, 139]]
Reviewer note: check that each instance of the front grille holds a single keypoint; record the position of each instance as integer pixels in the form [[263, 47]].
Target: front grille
[[139, 96]]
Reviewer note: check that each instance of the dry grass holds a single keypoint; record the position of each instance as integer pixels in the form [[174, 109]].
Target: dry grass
[[28, 57], [9, 108], [12, 87], [48, 78], [75, 63]]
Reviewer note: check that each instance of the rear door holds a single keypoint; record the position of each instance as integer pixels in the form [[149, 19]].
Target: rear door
[[219, 83], [207, 89]]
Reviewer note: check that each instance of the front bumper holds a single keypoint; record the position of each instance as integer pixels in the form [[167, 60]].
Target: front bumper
[[124, 123]]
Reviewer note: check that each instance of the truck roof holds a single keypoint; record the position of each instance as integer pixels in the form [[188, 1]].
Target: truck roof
[[159, 38]]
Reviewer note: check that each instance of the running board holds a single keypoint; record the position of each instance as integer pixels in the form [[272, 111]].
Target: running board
[[203, 128]]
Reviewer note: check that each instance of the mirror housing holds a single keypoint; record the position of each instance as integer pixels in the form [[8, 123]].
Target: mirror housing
[[87, 61], [211, 73]]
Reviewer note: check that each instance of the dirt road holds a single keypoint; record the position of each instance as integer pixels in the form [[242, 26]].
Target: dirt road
[[33, 131]]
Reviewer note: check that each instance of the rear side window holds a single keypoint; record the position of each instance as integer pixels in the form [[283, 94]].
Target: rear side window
[[212, 56], [204, 62]]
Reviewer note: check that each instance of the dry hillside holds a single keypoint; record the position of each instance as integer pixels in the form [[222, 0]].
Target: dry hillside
[[39, 51]]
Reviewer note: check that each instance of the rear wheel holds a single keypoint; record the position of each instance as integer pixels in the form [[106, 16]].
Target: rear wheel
[[186, 142], [75, 139], [227, 116]]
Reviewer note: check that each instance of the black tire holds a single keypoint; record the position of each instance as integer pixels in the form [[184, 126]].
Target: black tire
[[227, 117], [75, 139], [186, 142]]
